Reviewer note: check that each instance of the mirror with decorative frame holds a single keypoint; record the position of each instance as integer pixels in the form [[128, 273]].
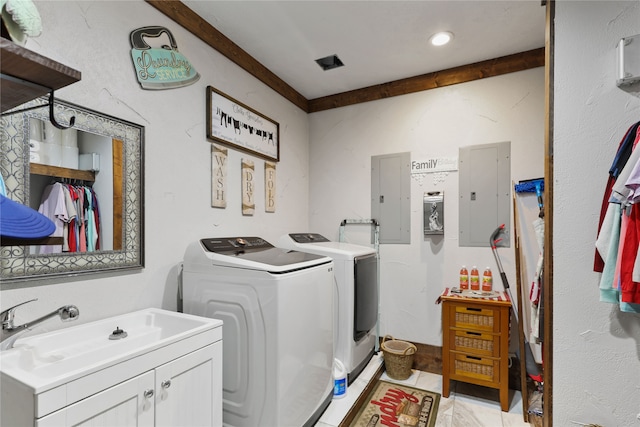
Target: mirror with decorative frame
[[98, 162]]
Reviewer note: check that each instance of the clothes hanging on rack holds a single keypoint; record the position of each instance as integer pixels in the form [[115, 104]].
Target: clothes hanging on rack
[[535, 292], [53, 206], [617, 254], [74, 210], [622, 155]]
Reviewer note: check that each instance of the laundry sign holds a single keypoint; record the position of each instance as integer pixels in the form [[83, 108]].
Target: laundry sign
[[218, 176], [248, 187], [434, 164], [160, 67]]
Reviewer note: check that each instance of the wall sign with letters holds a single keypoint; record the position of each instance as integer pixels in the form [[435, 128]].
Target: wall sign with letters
[[437, 167], [239, 126], [160, 67]]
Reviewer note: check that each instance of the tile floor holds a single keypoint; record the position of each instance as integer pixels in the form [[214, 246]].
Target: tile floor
[[467, 405]]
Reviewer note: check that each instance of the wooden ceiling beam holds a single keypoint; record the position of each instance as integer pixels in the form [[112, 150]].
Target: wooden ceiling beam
[[181, 14], [191, 21], [465, 73]]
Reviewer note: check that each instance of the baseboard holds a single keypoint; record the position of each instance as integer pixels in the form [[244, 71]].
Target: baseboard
[[428, 358]]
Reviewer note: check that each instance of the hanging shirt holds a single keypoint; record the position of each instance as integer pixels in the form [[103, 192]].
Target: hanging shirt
[[607, 245], [73, 224], [53, 207], [633, 184], [619, 228], [96, 214], [92, 232], [629, 250], [82, 222], [72, 214], [622, 155], [620, 191]]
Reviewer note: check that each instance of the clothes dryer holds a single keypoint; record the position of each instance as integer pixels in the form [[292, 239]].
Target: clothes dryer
[[356, 284], [277, 309]]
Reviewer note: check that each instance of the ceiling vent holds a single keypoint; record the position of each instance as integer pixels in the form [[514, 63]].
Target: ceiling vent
[[329, 62]]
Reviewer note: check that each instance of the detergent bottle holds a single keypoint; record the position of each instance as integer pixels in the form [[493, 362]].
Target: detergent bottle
[[339, 379]]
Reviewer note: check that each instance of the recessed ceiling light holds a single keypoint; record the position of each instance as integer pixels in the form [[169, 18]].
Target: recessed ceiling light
[[442, 38]]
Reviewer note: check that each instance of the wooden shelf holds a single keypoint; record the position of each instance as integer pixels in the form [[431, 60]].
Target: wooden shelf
[[58, 172], [9, 241], [38, 75]]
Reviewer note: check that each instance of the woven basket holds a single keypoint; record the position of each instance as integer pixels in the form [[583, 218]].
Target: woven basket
[[398, 357]]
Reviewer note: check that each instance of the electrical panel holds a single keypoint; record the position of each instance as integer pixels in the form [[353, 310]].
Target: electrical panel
[[391, 196], [484, 191]]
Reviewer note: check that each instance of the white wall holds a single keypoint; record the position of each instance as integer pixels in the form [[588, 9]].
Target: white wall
[[596, 349], [93, 37], [429, 124]]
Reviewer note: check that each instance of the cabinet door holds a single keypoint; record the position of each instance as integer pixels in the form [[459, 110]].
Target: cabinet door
[[122, 405], [189, 389]]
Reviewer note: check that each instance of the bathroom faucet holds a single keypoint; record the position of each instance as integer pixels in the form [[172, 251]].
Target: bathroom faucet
[[10, 332]]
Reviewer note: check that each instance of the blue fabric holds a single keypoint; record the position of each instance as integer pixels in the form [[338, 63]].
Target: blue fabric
[[22, 222], [624, 151], [3, 189]]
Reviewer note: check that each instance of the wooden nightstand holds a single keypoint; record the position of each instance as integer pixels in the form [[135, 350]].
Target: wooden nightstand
[[475, 343]]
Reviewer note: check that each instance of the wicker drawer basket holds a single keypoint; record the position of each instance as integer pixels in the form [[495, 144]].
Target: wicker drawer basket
[[480, 368], [482, 344], [484, 319]]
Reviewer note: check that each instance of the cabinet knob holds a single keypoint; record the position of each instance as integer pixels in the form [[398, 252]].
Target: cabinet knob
[[148, 394], [166, 383]]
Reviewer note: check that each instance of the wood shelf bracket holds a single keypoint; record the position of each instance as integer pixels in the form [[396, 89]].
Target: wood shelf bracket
[[50, 104]]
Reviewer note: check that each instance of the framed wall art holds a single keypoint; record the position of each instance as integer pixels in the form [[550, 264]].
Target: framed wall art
[[232, 123]]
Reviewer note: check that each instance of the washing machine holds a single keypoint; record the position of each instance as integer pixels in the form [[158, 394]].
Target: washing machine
[[356, 284], [277, 309]]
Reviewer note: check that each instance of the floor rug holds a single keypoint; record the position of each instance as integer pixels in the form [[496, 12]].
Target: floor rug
[[397, 405]]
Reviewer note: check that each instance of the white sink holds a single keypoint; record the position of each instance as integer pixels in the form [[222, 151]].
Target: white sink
[[43, 361]]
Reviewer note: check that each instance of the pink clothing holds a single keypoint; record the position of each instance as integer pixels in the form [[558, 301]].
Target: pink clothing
[[53, 206], [633, 184]]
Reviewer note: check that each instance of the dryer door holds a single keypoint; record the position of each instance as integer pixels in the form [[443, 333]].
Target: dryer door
[[365, 294]]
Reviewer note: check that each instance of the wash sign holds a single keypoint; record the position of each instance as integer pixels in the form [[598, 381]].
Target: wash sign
[[435, 164]]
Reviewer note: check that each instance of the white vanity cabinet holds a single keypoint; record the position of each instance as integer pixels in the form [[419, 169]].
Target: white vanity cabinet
[[178, 383], [186, 388], [124, 404]]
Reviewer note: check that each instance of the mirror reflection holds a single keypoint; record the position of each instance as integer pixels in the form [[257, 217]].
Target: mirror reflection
[[72, 186], [86, 179]]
